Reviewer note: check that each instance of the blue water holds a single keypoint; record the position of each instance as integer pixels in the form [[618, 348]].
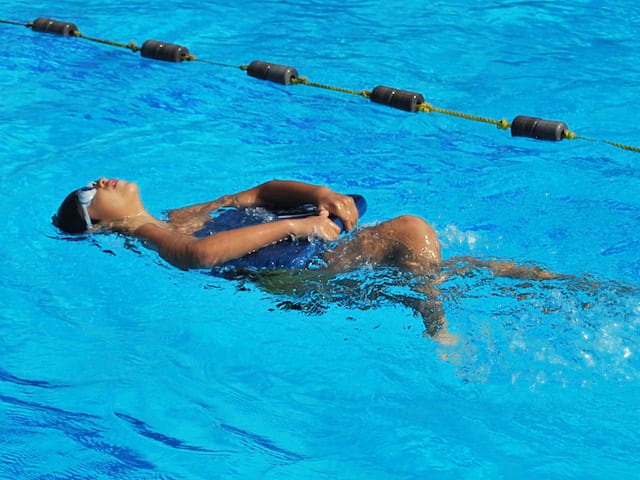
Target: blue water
[[115, 365]]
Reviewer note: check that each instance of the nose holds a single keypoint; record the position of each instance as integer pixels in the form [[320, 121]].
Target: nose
[[101, 182]]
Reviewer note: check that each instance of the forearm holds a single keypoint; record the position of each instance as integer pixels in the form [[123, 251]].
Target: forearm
[[275, 194], [186, 251], [224, 246], [283, 194], [203, 208]]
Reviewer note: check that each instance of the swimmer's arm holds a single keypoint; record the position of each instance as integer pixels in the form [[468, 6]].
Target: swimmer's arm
[[185, 251], [277, 194], [201, 209], [283, 194]]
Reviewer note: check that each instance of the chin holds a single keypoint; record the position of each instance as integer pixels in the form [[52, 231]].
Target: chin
[[130, 186]]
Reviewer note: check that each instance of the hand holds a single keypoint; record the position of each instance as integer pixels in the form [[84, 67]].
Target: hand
[[338, 205], [319, 226]]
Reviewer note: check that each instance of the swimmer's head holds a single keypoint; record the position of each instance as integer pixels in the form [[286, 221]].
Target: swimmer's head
[[73, 214], [107, 202]]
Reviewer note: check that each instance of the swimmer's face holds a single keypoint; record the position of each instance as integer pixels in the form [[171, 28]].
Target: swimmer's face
[[114, 199]]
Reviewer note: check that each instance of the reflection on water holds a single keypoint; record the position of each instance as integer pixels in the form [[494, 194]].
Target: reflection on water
[[571, 330]]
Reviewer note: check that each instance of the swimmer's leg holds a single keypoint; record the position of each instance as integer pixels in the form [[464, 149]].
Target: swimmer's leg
[[409, 244], [465, 265], [406, 242]]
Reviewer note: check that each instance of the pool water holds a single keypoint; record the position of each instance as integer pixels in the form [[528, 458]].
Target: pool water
[[115, 365]]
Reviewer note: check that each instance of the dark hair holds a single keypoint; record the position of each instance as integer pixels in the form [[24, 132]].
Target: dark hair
[[69, 217]]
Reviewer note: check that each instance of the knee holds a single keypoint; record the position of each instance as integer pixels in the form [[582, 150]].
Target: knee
[[409, 222], [418, 235], [411, 225]]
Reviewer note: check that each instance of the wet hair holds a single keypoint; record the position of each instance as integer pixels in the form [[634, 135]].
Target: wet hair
[[69, 217]]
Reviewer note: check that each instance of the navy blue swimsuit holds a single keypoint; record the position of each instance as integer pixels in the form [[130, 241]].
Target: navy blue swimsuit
[[290, 253]]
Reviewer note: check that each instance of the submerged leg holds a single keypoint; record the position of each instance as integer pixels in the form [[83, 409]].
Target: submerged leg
[[465, 265], [411, 245], [406, 242]]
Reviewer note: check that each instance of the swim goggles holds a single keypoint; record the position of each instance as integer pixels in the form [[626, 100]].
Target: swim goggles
[[85, 197]]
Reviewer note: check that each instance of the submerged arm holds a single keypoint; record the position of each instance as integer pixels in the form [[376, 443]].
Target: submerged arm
[[201, 209]]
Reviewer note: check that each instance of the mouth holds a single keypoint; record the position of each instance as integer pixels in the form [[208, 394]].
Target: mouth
[[113, 182]]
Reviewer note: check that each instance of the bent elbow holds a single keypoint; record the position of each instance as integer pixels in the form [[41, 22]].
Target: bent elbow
[[203, 256]]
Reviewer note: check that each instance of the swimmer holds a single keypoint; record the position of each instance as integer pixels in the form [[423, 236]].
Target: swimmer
[[407, 242]]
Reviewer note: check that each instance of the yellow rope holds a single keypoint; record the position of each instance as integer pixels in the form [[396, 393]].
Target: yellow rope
[[19, 24], [423, 107], [428, 108], [304, 81], [568, 134], [131, 45], [622, 146], [210, 62]]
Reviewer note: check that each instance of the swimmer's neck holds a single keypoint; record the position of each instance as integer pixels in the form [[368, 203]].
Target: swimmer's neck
[[130, 224]]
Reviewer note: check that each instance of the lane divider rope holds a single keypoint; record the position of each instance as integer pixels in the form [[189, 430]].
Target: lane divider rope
[[520, 126]]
